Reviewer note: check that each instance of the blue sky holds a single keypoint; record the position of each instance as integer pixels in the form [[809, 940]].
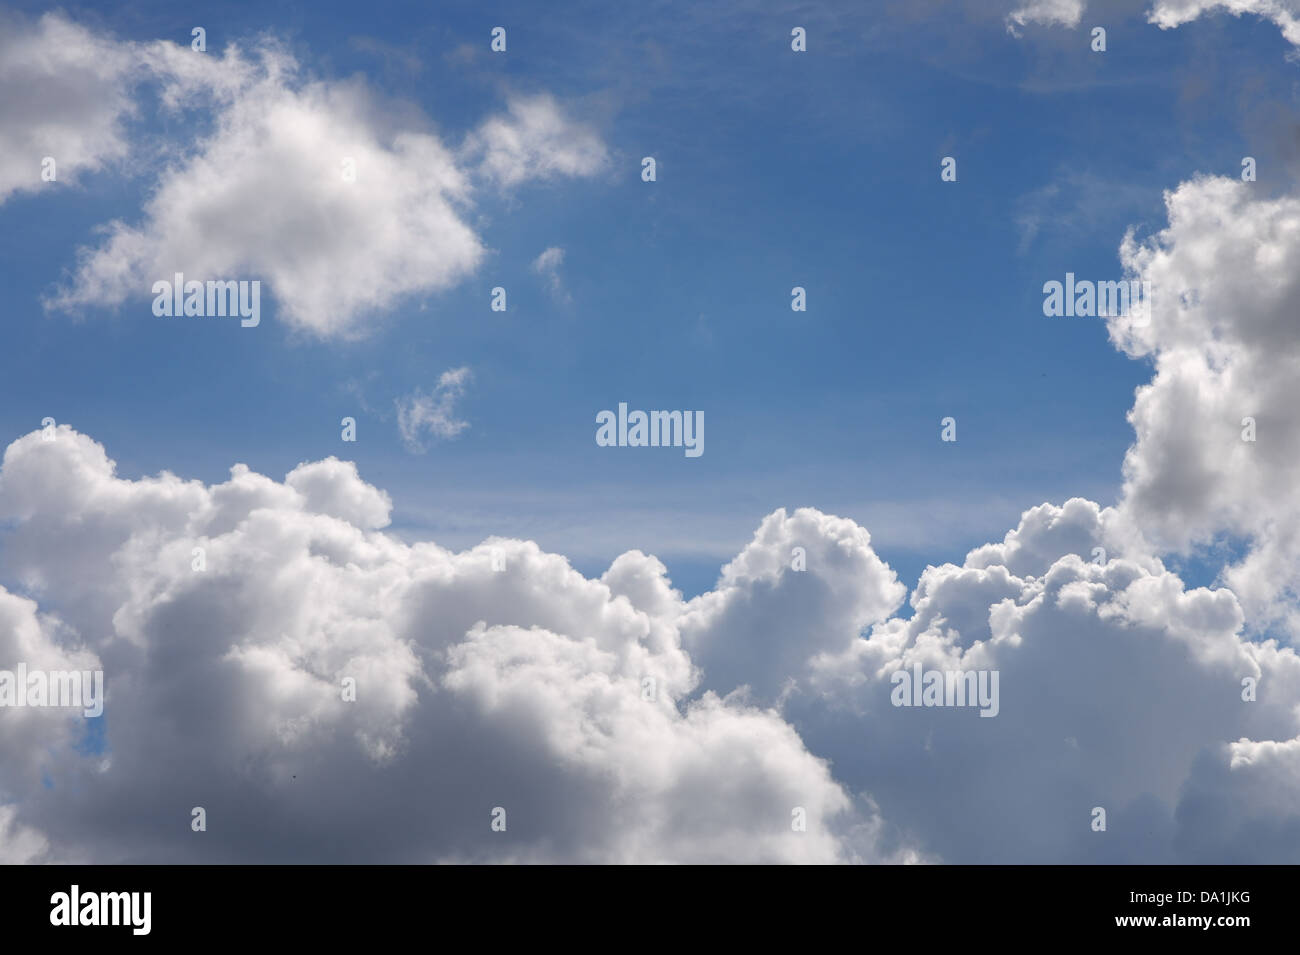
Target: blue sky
[[1158, 682], [775, 169]]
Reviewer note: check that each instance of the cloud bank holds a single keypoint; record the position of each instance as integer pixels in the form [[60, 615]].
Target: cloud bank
[[612, 720]]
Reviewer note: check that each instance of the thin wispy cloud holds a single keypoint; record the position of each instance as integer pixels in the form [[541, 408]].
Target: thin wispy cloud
[[425, 417], [547, 265]]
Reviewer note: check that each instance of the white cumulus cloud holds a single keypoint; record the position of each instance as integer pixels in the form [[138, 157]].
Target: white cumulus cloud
[[67, 97], [342, 203], [612, 719], [534, 140], [1225, 276], [518, 684], [1168, 14]]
